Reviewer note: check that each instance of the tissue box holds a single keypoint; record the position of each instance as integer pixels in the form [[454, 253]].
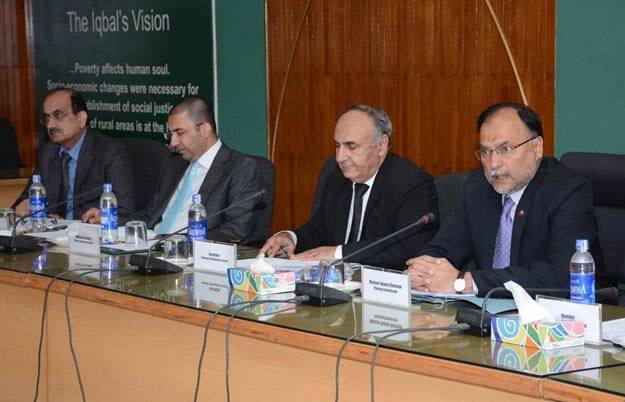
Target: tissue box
[[263, 284], [542, 335], [538, 361], [273, 304]]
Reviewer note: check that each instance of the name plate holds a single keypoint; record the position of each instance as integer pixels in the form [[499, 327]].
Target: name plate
[[381, 318], [214, 256], [564, 309], [211, 288], [84, 238], [386, 287]]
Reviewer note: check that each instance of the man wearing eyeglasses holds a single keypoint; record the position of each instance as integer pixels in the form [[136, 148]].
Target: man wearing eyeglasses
[[519, 216], [205, 166], [77, 160]]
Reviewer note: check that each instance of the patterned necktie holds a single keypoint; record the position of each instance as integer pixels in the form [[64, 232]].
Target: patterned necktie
[[183, 195], [65, 159], [501, 257], [361, 189]]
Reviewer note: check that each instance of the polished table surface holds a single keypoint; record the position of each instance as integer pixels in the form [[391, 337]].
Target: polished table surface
[[207, 292]]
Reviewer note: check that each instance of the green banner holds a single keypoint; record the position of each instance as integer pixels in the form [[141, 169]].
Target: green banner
[[131, 60]]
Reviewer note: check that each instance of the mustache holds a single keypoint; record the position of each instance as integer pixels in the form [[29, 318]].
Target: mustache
[[55, 130], [498, 172]]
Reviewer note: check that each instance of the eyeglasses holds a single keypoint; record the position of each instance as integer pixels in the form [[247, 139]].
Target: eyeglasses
[[57, 115], [504, 150], [170, 134]]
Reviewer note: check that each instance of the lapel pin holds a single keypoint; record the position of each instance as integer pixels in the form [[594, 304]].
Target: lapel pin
[[520, 213]]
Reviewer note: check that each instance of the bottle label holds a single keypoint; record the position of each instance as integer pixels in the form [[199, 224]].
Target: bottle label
[[197, 230], [37, 204], [583, 288], [108, 219]]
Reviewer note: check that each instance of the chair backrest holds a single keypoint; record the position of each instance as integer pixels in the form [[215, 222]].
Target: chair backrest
[[9, 154], [262, 230], [327, 168], [149, 160], [449, 190], [606, 173]]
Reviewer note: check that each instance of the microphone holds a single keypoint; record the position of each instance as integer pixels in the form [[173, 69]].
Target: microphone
[[320, 295], [149, 265], [16, 245], [480, 320]]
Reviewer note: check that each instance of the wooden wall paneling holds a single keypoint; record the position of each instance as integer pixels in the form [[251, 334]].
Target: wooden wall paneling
[[18, 100], [433, 65]]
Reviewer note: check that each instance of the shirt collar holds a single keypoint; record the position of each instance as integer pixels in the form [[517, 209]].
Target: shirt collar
[[207, 158], [75, 151]]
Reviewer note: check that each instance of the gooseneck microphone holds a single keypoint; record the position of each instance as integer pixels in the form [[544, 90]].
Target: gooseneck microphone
[[149, 265], [321, 295], [16, 245]]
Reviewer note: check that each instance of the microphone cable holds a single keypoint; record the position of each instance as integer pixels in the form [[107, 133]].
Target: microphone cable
[[457, 327], [246, 304]]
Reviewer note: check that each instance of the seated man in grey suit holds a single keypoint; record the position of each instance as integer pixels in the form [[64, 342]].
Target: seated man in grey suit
[[374, 193], [519, 216], [77, 159], [205, 166]]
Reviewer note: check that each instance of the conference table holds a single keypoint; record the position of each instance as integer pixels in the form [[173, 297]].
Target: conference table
[[139, 338]]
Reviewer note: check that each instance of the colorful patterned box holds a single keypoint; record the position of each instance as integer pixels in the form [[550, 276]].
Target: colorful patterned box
[[542, 335], [272, 304], [262, 284], [537, 361]]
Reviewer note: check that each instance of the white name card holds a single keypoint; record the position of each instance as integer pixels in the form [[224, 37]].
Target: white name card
[[563, 309], [211, 288], [380, 318], [214, 256], [84, 238], [386, 287]]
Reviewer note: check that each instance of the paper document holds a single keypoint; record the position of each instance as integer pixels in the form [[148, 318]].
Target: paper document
[[613, 329]]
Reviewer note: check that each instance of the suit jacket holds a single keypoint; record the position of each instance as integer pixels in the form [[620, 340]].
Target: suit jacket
[[556, 209], [101, 160], [231, 178], [401, 194]]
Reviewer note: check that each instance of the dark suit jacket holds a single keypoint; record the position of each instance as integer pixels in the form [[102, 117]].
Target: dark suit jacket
[[556, 209], [101, 160], [232, 177], [401, 194]]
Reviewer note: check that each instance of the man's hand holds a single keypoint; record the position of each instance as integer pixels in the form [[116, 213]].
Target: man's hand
[[277, 243], [425, 319], [430, 274], [91, 216], [23, 208], [319, 253]]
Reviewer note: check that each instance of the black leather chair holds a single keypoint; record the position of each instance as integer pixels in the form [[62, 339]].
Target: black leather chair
[[149, 160], [606, 173], [9, 155], [262, 230], [449, 190]]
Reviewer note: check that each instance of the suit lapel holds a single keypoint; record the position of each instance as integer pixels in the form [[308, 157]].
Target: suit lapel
[[215, 171]]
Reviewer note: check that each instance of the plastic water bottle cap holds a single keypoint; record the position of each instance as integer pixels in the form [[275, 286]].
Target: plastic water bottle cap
[[581, 244], [36, 178], [196, 198], [108, 187]]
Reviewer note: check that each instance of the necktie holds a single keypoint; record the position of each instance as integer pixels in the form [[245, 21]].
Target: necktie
[[65, 159], [183, 195], [361, 189], [501, 257]]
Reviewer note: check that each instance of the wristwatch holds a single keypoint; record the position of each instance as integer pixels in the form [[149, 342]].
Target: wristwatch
[[460, 284]]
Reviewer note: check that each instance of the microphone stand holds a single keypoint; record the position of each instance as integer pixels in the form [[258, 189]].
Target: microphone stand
[[321, 295], [24, 245]]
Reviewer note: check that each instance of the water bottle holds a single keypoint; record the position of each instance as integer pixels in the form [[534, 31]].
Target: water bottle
[[38, 202], [108, 215], [197, 219], [582, 274]]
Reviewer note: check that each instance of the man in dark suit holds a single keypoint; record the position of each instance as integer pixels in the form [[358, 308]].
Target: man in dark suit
[[205, 166], [519, 216], [77, 160], [372, 195]]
